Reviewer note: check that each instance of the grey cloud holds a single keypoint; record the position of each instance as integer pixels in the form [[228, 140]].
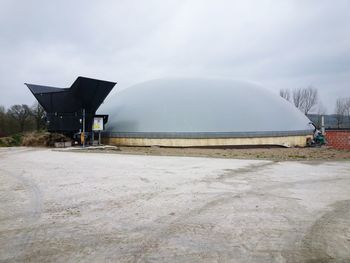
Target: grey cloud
[[276, 43]]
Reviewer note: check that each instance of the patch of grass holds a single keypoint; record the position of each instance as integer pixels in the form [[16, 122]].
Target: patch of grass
[[14, 140], [43, 139], [17, 139]]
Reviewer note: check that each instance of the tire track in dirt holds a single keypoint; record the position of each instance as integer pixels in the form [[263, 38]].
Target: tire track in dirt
[[181, 223], [171, 225], [328, 239]]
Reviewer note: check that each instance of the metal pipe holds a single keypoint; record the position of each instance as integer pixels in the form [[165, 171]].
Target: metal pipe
[[83, 128], [322, 125]]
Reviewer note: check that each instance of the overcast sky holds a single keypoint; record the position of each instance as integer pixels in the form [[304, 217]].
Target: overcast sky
[[279, 44]]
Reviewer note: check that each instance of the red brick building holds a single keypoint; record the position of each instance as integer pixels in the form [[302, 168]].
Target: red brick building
[[338, 138]]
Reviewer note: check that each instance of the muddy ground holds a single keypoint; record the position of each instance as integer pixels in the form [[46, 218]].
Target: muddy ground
[[61, 206], [275, 153]]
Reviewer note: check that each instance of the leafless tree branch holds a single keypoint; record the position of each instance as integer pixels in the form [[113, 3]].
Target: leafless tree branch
[[285, 93], [340, 110], [298, 98], [310, 98], [305, 98], [20, 113]]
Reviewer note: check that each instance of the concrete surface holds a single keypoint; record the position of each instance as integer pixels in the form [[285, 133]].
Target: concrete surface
[[97, 207]]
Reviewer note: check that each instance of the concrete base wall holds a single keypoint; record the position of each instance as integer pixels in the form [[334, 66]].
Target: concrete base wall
[[286, 141]]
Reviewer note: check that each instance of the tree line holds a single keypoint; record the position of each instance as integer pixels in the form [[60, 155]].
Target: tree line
[[307, 99], [21, 118], [342, 110]]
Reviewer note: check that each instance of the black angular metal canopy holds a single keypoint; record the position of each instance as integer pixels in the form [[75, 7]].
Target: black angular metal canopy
[[64, 106], [85, 93]]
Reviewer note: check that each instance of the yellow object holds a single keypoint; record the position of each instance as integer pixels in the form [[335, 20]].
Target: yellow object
[[82, 137]]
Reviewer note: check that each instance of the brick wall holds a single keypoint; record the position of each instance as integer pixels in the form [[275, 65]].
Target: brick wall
[[338, 139]]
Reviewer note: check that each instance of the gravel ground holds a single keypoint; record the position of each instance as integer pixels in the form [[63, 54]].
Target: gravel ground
[[62, 206]]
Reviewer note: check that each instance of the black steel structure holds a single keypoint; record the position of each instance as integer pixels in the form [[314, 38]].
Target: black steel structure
[[65, 106]]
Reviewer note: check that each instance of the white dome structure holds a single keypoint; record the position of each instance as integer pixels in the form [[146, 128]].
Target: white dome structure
[[202, 112]]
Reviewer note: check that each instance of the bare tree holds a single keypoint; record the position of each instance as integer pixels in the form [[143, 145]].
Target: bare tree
[[340, 110], [285, 93], [310, 98], [298, 98], [20, 113], [305, 98], [38, 114], [347, 110]]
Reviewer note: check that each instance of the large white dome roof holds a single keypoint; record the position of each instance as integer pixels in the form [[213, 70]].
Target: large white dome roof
[[201, 106]]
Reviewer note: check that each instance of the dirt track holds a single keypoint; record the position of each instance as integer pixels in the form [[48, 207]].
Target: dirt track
[[92, 207], [277, 154]]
